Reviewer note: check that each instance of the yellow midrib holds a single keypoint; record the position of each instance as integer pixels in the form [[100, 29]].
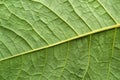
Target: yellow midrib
[[67, 40]]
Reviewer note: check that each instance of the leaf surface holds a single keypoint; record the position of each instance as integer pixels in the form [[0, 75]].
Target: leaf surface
[[59, 40]]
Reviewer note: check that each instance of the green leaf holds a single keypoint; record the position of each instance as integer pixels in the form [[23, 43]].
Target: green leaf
[[59, 39]]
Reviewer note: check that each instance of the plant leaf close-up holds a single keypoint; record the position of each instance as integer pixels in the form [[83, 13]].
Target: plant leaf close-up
[[59, 39]]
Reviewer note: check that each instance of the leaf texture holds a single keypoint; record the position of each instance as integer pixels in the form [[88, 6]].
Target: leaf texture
[[59, 39]]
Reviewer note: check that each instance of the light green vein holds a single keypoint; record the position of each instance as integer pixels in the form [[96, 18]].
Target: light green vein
[[113, 44], [20, 70], [28, 24], [58, 16], [6, 47], [19, 36], [80, 16], [45, 63], [115, 76], [89, 45], [66, 60], [94, 14], [47, 27], [108, 12], [64, 41]]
